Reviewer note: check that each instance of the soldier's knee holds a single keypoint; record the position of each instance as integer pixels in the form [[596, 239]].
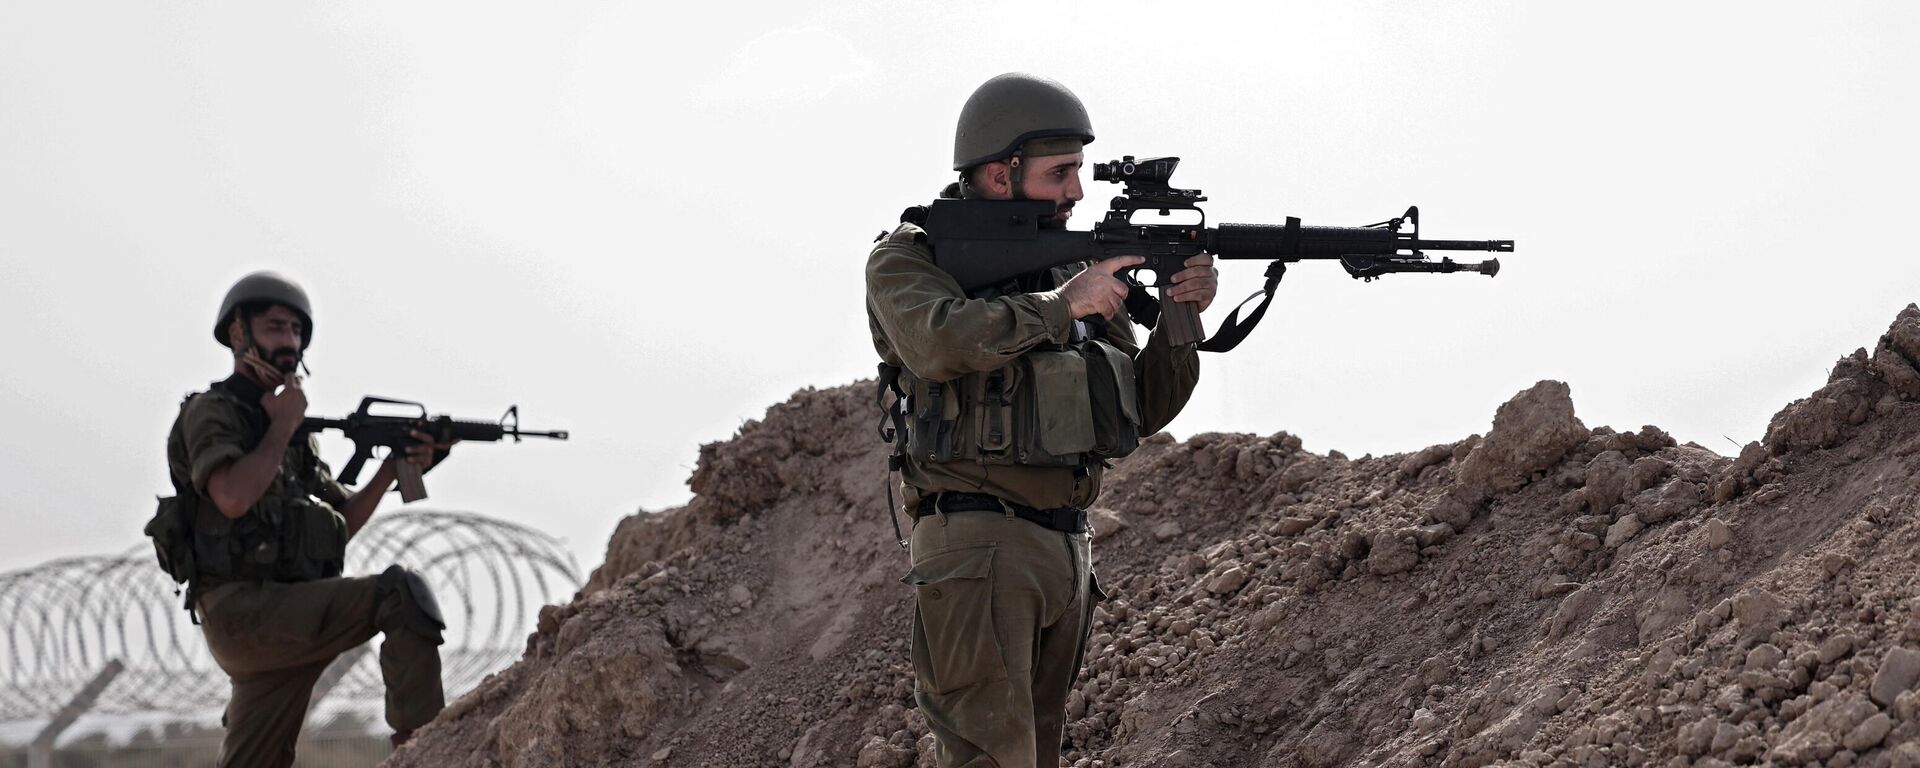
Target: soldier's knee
[[418, 612]]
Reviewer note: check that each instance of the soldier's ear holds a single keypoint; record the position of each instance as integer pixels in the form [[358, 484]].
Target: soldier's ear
[[996, 179], [236, 333]]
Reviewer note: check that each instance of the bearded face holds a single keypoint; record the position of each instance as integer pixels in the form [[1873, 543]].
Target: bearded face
[[275, 336]]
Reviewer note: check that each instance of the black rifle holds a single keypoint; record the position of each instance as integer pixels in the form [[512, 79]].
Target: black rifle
[[395, 432], [989, 243]]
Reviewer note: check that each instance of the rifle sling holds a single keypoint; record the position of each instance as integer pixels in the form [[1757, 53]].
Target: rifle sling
[[1233, 331], [894, 432]]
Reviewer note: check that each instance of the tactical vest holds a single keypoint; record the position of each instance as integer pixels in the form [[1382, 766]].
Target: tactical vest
[[286, 536], [1057, 405]]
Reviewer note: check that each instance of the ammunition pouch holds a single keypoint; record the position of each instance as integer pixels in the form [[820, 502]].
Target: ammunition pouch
[[1058, 407], [313, 542], [172, 532], [280, 539], [226, 549], [1057, 411], [1115, 400]]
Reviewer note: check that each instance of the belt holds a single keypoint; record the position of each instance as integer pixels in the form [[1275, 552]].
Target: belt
[[1064, 519]]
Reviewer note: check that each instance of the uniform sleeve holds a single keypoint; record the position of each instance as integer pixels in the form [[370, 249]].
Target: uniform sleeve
[[321, 484], [939, 333], [216, 434], [1163, 377]]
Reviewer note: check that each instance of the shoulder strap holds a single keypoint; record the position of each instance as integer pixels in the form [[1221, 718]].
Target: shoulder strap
[[893, 429], [1233, 331]]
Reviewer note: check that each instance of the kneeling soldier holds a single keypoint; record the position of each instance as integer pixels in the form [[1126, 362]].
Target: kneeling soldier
[[260, 533]]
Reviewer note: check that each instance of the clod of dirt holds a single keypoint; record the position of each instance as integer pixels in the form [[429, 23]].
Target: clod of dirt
[[1546, 595]]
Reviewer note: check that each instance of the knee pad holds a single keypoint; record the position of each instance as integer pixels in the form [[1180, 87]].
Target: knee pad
[[419, 612]]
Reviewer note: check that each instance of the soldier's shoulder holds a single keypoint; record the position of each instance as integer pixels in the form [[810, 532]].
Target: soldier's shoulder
[[907, 240], [212, 405], [907, 233]]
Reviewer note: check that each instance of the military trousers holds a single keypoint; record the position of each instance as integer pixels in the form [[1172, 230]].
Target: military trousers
[[273, 640], [1001, 613]]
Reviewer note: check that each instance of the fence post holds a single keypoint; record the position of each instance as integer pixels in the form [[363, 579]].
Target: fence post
[[40, 754]]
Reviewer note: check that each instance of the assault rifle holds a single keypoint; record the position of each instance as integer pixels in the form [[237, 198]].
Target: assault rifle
[[987, 243], [395, 432]]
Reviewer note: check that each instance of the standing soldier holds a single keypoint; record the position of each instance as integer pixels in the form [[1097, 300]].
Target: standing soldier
[[259, 530], [1000, 547]]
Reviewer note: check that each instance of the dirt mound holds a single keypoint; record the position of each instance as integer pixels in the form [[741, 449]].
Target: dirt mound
[[1547, 594]]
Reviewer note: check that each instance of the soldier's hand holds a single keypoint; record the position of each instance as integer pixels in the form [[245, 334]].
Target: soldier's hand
[[286, 408], [1197, 283], [1096, 291], [424, 452]]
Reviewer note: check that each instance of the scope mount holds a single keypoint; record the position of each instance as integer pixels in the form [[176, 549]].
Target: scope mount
[[1146, 188]]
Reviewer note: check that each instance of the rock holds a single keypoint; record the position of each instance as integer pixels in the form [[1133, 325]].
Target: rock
[[1758, 613], [1694, 738], [1289, 526], [1425, 457], [1531, 433], [1623, 531], [1897, 674], [1817, 734], [1868, 733], [1105, 523], [1573, 610], [1433, 535], [739, 595], [1719, 534], [1166, 530], [1228, 581], [1725, 735], [1674, 499], [1897, 357], [1819, 420], [878, 753], [1392, 552], [1764, 657], [1645, 472], [1458, 507], [1424, 721], [1606, 481], [1906, 756], [1833, 648]]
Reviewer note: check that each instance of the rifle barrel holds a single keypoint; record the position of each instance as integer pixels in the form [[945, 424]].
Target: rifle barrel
[[1497, 246]]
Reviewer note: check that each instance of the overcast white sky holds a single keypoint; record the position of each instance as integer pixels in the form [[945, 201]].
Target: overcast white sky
[[646, 225]]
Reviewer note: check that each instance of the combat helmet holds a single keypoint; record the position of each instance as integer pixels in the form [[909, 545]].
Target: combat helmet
[[1012, 109], [269, 287]]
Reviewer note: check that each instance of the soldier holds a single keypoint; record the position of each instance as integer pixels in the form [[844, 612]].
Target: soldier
[[269, 528], [1000, 547]]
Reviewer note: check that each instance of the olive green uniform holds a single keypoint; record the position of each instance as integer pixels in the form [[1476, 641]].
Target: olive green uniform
[[1003, 605], [268, 590]]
